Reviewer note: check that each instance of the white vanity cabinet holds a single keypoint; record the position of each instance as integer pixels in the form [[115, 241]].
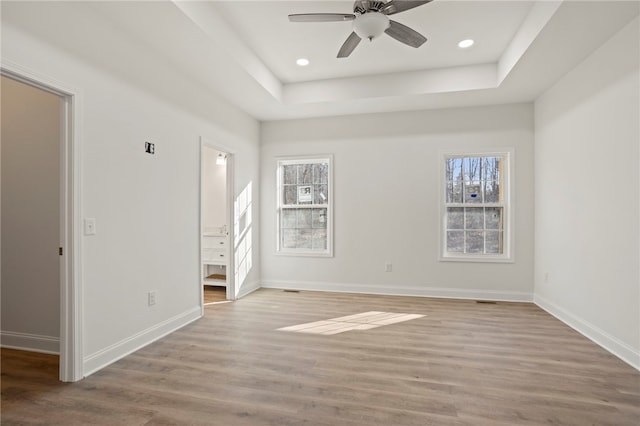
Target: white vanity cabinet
[[215, 254]]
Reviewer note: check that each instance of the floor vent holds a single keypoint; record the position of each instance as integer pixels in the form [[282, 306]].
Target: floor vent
[[291, 291], [487, 302]]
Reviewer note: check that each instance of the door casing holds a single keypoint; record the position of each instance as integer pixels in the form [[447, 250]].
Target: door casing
[[71, 357], [230, 185]]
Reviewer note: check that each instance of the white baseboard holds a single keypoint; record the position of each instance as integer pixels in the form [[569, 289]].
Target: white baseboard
[[248, 288], [30, 342], [113, 353], [593, 333], [439, 292]]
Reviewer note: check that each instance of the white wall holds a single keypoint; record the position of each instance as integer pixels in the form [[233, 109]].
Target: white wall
[[587, 216], [215, 189], [147, 207], [30, 217], [386, 202]]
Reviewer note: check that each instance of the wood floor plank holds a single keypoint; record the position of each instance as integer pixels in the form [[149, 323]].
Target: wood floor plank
[[462, 363], [214, 294]]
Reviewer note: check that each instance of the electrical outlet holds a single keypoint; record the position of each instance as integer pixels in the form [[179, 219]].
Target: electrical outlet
[[152, 298], [388, 267]]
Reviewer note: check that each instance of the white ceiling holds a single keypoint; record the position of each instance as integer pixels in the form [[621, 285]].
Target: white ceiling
[[264, 27], [245, 51]]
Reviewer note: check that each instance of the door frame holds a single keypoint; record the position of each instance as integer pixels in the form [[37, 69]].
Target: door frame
[[230, 198], [71, 356]]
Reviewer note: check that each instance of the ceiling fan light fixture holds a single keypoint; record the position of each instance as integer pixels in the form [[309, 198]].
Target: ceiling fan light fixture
[[370, 25]]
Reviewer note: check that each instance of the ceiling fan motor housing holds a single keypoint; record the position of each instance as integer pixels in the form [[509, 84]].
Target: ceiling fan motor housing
[[361, 7]]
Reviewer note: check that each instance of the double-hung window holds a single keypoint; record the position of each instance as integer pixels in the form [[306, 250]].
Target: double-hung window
[[475, 209], [304, 210]]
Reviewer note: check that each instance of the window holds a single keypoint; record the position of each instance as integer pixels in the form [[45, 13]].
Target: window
[[476, 207], [304, 206]]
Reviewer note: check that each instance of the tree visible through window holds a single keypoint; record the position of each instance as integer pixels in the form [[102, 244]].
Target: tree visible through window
[[475, 205], [304, 211]]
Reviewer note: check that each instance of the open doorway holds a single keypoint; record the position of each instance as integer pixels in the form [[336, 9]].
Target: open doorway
[[217, 280], [40, 309], [31, 120]]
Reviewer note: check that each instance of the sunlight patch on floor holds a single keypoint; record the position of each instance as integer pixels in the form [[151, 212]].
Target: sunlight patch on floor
[[218, 303], [362, 321]]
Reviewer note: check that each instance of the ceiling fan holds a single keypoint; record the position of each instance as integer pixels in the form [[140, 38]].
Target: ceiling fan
[[370, 20]]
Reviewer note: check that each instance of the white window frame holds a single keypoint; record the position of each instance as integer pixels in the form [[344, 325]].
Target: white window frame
[[507, 255], [280, 206]]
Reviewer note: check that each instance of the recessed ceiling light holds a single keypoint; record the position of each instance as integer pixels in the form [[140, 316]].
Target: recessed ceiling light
[[303, 62], [465, 43]]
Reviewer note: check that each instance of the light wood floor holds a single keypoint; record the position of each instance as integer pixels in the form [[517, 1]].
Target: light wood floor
[[214, 294], [463, 363]]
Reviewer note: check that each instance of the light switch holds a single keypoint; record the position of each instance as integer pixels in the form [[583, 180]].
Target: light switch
[[89, 226]]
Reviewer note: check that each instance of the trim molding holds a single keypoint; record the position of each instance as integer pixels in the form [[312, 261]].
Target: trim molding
[[30, 342], [388, 290], [613, 345], [113, 353]]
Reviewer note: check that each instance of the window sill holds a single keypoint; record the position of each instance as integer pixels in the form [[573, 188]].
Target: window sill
[[304, 253], [477, 259]]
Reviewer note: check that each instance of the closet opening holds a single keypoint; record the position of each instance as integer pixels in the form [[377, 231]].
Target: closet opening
[[41, 292]]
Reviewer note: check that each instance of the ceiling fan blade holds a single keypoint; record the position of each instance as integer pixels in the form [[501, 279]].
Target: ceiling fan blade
[[321, 17], [405, 35], [397, 6], [348, 46]]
